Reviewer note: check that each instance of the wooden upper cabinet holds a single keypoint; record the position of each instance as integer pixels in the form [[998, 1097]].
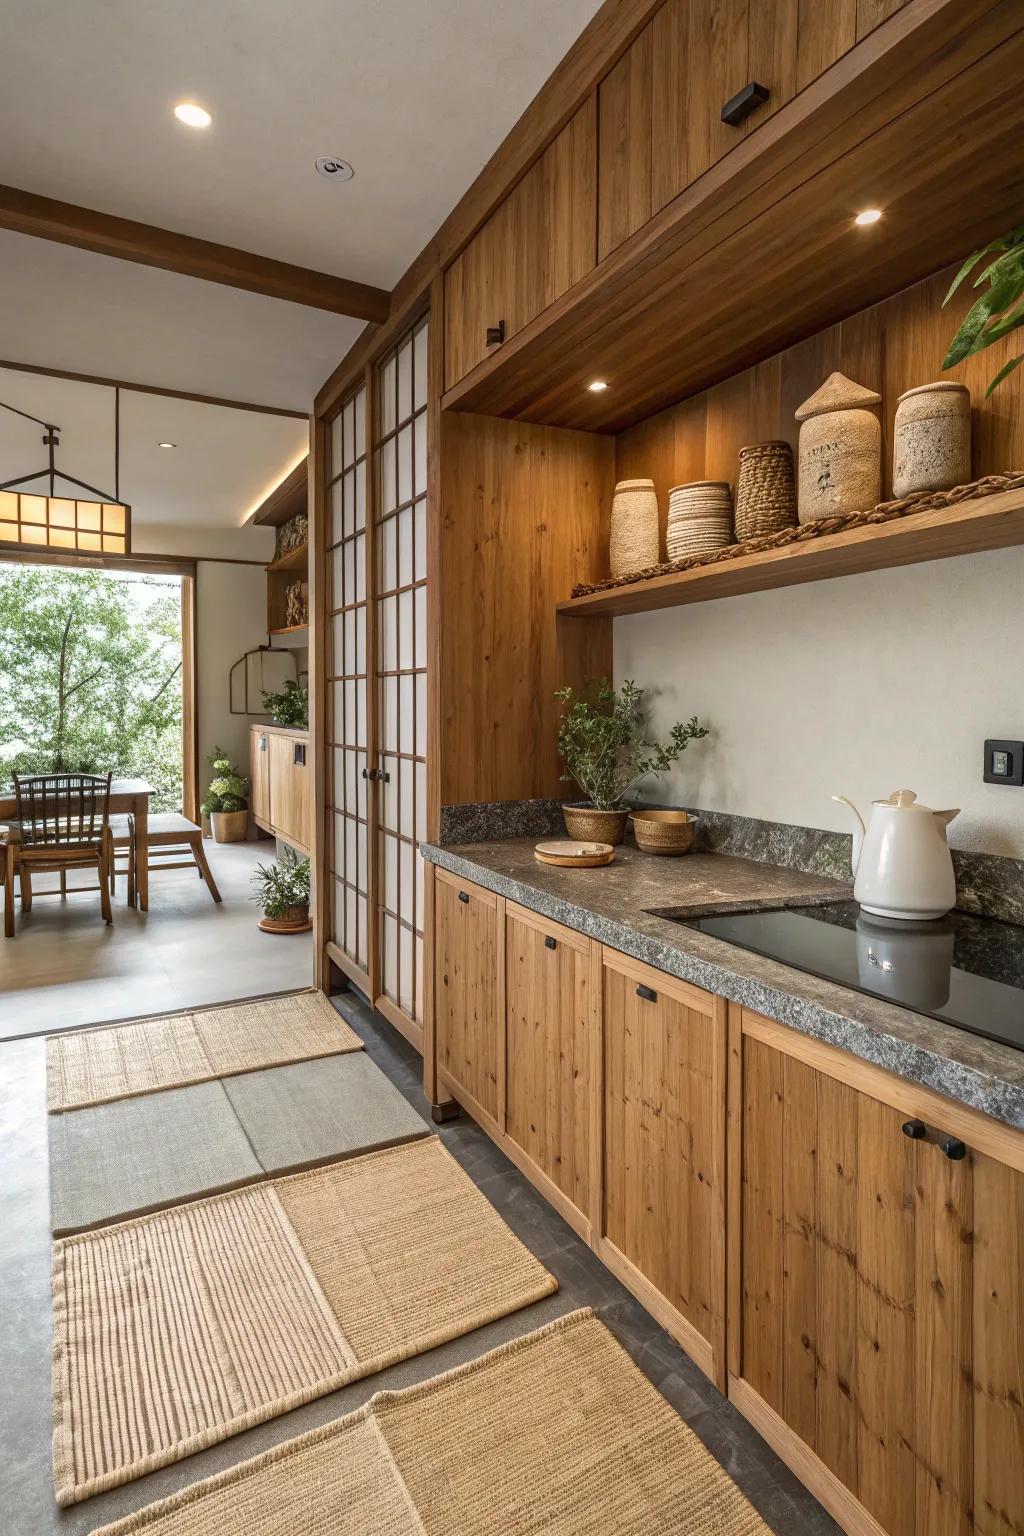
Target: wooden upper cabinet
[[551, 1031], [467, 1021], [882, 1295], [538, 242], [624, 138]]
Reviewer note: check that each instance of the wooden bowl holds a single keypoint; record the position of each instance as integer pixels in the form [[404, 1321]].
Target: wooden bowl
[[568, 854], [667, 832]]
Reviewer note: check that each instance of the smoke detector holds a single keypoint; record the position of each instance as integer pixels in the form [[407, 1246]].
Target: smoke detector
[[333, 168]]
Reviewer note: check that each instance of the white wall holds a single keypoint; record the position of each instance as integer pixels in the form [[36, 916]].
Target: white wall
[[858, 686]]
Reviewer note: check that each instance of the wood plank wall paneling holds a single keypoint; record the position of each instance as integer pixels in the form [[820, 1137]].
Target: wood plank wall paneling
[[525, 512], [891, 347]]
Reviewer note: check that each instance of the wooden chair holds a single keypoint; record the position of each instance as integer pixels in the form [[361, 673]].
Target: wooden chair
[[63, 822], [173, 841]]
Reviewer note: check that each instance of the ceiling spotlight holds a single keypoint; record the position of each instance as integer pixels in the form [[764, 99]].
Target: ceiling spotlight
[[192, 116], [868, 216], [333, 168], [167, 445], [596, 386]]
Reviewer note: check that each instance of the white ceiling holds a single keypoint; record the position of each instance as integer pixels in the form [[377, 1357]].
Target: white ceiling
[[224, 463]]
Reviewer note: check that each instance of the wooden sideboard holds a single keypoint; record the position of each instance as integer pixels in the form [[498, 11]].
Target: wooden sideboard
[[857, 1293], [281, 790]]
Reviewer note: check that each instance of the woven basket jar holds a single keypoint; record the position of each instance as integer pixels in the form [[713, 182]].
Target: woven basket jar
[[932, 439], [765, 490], [840, 450], [634, 541], [699, 518]]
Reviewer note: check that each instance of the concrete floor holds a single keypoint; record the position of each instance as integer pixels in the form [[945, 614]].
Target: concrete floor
[[26, 1490], [65, 967]]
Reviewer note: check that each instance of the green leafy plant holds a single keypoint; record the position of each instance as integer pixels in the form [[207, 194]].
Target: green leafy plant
[[999, 310], [604, 743], [290, 706], [281, 885], [228, 790]]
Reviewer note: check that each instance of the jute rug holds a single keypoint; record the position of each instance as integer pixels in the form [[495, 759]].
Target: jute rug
[[174, 1331], [96, 1066], [557, 1433]]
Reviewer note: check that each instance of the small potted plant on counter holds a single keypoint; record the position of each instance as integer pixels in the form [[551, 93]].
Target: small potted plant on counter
[[282, 890], [227, 803], [604, 745], [288, 707]]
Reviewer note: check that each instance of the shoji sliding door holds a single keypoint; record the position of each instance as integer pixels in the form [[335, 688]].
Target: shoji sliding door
[[400, 522], [347, 784]]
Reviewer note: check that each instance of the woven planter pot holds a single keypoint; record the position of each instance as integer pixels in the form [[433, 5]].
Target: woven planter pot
[[666, 832], [230, 826], [765, 490], [634, 542], [589, 825], [932, 439], [699, 518], [292, 920]]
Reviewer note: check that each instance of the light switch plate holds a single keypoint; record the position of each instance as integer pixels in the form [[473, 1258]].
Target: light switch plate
[[1004, 762]]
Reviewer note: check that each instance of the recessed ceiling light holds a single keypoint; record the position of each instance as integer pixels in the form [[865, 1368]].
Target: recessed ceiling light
[[596, 386], [868, 216], [167, 445], [191, 115], [333, 168]]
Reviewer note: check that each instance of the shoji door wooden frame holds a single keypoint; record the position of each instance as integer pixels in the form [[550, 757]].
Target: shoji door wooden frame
[[329, 957]]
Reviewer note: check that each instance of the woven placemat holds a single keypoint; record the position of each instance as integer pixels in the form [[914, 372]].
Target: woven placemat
[[885, 512], [557, 1433], [174, 1331], [97, 1066]]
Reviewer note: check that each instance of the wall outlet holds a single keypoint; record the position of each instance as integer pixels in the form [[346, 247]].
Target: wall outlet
[[1004, 762]]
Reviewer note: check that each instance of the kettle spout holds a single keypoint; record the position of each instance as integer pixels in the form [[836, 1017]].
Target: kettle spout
[[948, 816], [858, 831]]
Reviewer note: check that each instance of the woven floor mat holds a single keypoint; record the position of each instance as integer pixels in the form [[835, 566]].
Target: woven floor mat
[[557, 1433], [174, 1331], [96, 1066]]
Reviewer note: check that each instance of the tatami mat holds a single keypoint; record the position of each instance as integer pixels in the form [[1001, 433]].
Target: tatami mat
[[177, 1330], [317, 1111], [556, 1433], [97, 1066], [136, 1155]]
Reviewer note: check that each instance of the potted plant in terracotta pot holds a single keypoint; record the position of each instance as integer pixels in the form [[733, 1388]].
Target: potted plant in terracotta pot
[[606, 750], [227, 803], [282, 890]]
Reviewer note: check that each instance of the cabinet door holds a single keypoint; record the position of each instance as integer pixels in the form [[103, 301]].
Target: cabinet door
[[663, 1229], [625, 130], [536, 244], [290, 797], [882, 1296], [467, 1023], [259, 776], [550, 1038]]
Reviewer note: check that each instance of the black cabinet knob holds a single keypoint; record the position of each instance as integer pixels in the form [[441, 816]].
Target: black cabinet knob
[[953, 1148], [915, 1129], [549, 942], [744, 102], [496, 334], [464, 896], [647, 993]]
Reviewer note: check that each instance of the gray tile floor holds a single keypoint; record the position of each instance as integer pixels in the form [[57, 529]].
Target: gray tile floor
[[65, 967], [26, 1491]]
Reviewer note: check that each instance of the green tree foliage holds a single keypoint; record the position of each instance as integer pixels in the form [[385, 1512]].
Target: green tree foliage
[[90, 676]]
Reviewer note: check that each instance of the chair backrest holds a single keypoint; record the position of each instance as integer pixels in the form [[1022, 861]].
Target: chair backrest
[[61, 809]]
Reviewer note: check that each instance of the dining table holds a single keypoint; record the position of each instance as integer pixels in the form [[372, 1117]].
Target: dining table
[[131, 796]]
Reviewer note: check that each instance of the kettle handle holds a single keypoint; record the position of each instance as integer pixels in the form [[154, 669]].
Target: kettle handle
[[859, 833]]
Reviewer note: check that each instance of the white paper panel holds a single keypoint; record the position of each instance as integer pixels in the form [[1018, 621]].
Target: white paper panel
[[387, 575], [405, 381], [420, 566], [387, 397], [337, 527], [420, 457], [406, 799], [406, 653], [406, 714], [388, 477], [405, 464], [405, 547], [336, 456]]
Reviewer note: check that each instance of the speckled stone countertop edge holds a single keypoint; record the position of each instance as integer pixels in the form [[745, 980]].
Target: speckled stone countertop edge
[[979, 1073]]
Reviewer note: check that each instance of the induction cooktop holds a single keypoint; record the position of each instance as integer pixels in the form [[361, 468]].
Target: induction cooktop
[[964, 970]]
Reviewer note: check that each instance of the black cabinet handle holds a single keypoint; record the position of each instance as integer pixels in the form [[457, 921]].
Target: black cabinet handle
[[647, 993], [915, 1129], [464, 896], [298, 756], [953, 1148], [549, 942], [263, 743], [496, 334], [744, 102]]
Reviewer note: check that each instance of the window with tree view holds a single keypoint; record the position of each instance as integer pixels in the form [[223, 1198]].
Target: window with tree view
[[91, 675]]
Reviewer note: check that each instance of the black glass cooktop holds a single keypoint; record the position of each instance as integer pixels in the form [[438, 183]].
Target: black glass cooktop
[[964, 970]]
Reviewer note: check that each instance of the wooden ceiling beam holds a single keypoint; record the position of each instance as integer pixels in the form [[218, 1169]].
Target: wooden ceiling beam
[[68, 224]]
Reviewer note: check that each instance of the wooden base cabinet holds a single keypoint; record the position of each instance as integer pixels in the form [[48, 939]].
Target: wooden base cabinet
[[877, 1289], [281, 788], [468, 1030]]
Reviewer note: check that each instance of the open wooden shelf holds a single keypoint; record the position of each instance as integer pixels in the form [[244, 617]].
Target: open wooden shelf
[[990, 522], [288, 629], [295, 560]]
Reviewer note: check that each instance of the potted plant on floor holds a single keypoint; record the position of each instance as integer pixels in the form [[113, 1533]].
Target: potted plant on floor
[[604, 745], [288, 707], [227, 803], [282, 890]]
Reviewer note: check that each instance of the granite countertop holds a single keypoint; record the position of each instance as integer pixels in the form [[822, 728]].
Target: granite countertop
[[612, 904]]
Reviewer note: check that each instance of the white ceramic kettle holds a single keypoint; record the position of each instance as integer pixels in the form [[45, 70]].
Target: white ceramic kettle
[[901, 863]]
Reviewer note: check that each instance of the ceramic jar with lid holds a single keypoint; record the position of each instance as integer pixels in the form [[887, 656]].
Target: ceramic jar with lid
[[840, 450], [932, 439], [634, 542]]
